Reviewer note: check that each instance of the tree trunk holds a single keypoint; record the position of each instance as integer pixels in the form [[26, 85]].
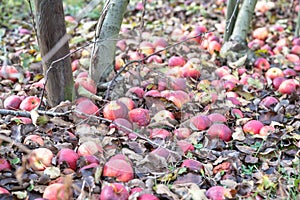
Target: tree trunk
[[53, 44], [242, 24], [103, 55], [298, 23], [235, 50], [231, 14]]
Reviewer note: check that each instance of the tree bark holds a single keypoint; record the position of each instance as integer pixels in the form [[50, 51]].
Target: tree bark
[[231, 15], [298, 23], [242, 24], [53, 44], [103, 56]]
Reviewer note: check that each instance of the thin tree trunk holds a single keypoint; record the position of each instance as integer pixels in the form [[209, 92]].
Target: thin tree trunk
[[50, 30], [108, 28], [231, 15], [242, 24]]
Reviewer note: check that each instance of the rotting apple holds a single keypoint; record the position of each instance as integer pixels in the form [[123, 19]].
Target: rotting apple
[[114, 110], [139, 116], [192, 165], [163, 115], [176, 61], [266, 130], [40, 158], [252, 126], [220, 131], [200, 122], [87, 107], [217, 193], [268, 101], [185, 146], [4, 165], [262, 64], [30, 103], [182, 133], [87, 83], [34, 138], [190, 71], [217, 118], [288, 86], [159, 133], [12, 102], [128, 102], [69, 156], [57, 191], [89, 148], [118, 168], [114, 191]]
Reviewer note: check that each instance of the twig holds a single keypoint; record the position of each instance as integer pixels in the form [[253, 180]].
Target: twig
[[145, 58], [27, 114]]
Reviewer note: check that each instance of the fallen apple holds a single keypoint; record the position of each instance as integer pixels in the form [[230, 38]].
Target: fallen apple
[[217, 118], [40, 158], [34, 138], [288, 86], [217, 193], [30, 103], [57, 191], [200, 122], [89, 148], [114, 110], [139, 116], [220, 131], [253, 127], [4, 165], [87, 107], [193, 165], [12, 102], [114, 191], [176, 61], [68, 156]]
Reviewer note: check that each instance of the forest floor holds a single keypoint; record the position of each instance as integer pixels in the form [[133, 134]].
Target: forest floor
[[190, 142]]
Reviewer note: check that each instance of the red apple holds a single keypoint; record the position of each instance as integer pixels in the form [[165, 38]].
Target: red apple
[[222, 71], [40, 158], [192, 165], [119, 168], [190, 71], [114, 110], [200, 122], [114, 191], [268, 101], [277, 81], [34, 138], [23, 120], [10, 72], [220, 131], [176, 61], [86, 106], [147, 48], [12, 102], [182, 133], [128, 102], [178, 97], [262, 64], [137, 91], [57, 191], [119, 63], [155, 59], [163, 115], [274, 72], [87, 83], [139, 116], [30, 103], [217, 118], [295, 49], [213, 47], [266, 130], [237, 113], [292, 57], [89, 148], [121, 44], [4, 191], [229, 85], [147, 196], [152, 93], [288, 86], [217, 193], [159, 133], [4, 165], [82, 74], [133, 55], [253, 127], [69, 156], [260, 33], [75, 65], [185, 146], [289, 72]]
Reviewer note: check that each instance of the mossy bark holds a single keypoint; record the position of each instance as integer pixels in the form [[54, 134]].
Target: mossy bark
[[103, 57], [53, 44]]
